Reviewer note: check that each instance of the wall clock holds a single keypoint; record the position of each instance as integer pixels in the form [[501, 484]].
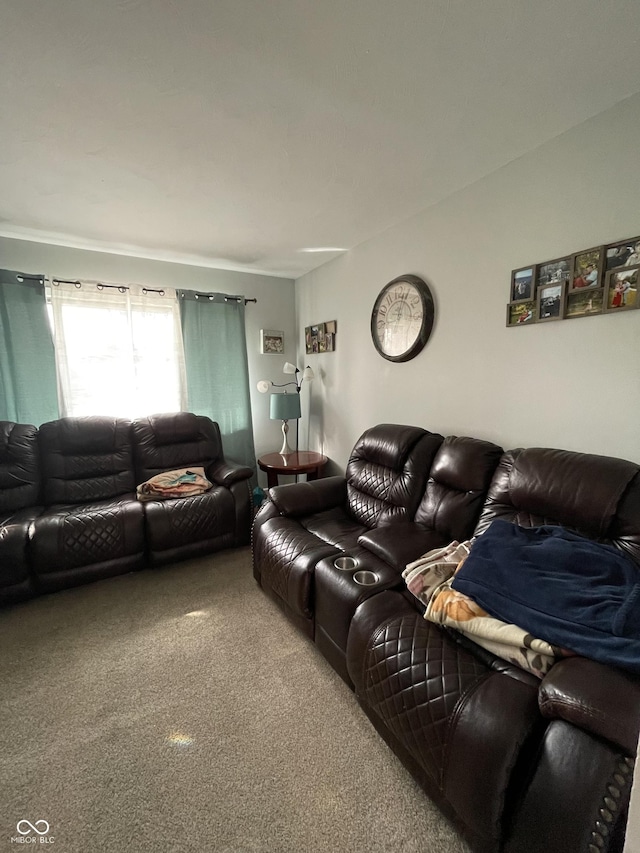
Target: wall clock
[[402, 318]]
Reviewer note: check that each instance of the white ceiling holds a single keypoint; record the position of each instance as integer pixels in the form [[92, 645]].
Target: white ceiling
[[236, 133]]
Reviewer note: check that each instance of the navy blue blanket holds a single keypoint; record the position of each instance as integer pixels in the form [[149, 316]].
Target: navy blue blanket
[[561, 587]]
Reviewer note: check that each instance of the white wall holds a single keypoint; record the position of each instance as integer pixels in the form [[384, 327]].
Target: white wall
[[572, 384], [273, 310]]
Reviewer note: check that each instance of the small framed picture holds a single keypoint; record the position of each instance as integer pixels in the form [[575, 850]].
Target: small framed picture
[[621, 289], [330, 336], [322, 344], [522, 283], [554, 272], [521, 313], [584, 303], [626, 253], [551, 302], [587, 269], [271, 342]]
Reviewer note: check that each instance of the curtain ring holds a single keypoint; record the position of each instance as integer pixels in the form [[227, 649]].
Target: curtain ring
[[78, 285]]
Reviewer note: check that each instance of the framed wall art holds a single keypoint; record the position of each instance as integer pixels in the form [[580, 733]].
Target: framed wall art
[[320, 337], [587, 269], [603, 279], [621, 289], [521, 313], [550, 299], [554, 272], [522, 284], [626, 253], [271, 342], [584, 303]]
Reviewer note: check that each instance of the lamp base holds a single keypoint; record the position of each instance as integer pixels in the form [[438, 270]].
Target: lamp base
[[285, 449]]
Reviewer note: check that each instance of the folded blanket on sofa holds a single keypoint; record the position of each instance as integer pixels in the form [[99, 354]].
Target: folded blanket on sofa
[[577, 593], [180, 483], [429, 579], [456, 610]]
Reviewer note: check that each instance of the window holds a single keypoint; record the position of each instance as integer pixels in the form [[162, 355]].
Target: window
[[118, 350]]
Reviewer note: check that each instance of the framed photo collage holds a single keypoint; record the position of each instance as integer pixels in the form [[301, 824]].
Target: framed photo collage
[[594, 281]]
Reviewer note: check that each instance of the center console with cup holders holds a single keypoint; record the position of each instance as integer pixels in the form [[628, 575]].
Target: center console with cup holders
[[341, 585]]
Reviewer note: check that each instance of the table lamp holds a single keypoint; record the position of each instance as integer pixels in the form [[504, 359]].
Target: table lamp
[[285, 407]]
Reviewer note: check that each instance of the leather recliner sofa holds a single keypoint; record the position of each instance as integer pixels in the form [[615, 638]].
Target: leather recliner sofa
[[520, 764], [68, 507]]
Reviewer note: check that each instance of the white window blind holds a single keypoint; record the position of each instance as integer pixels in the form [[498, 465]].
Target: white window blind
[[118, 350]]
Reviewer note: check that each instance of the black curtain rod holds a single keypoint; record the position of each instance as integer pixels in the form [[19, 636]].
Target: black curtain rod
[[199, 295], [123, 287], [25, 277], [120, 287]]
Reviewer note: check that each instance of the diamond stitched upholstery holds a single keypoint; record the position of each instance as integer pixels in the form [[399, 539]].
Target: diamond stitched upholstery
[[415, 678], [180, 521], [69, 537], [287, 554], [387, 471]]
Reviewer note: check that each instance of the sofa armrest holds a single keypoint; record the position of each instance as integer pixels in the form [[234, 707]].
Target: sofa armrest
[[400, 543], [298, 499], [226, 473], [600, 699]]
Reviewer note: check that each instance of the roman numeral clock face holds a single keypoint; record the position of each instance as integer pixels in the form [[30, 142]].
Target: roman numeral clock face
[[402, 318]]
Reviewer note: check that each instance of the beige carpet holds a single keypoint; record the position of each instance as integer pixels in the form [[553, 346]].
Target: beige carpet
[[178, 710]]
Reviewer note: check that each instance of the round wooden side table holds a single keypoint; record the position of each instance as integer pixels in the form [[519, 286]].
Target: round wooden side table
[[300, 462]]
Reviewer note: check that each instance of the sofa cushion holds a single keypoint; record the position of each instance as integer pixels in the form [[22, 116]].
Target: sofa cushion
[[177, 440], [457, 486], [387, 471], [86, 459], [581, 491], [74, 536], [190, 526]]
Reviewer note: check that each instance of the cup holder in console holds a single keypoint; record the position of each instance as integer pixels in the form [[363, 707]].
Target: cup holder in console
[[365, 578], [345, 564]]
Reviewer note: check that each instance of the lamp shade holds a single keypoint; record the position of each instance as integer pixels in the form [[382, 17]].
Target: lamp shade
[[285, 407]]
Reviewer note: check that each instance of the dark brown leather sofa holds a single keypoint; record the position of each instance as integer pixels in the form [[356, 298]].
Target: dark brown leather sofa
[[522, 765], [68, 507]]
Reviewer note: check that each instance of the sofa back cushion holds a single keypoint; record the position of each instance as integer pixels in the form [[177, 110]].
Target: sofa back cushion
[[19, 466], [457, 486], [177, 440], [387, 472], [596, 496], [86, 459]]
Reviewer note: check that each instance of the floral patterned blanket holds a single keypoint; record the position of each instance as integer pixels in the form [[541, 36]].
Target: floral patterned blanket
[[429, 580], [180, 483]]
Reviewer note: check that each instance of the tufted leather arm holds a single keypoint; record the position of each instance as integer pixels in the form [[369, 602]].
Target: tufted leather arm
[[599, 699], [19, 466], [401, 543], [299, 499], [226, 473]]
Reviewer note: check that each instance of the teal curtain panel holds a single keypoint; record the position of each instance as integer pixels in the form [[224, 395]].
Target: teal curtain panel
[[217, 369], [28, 385]]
